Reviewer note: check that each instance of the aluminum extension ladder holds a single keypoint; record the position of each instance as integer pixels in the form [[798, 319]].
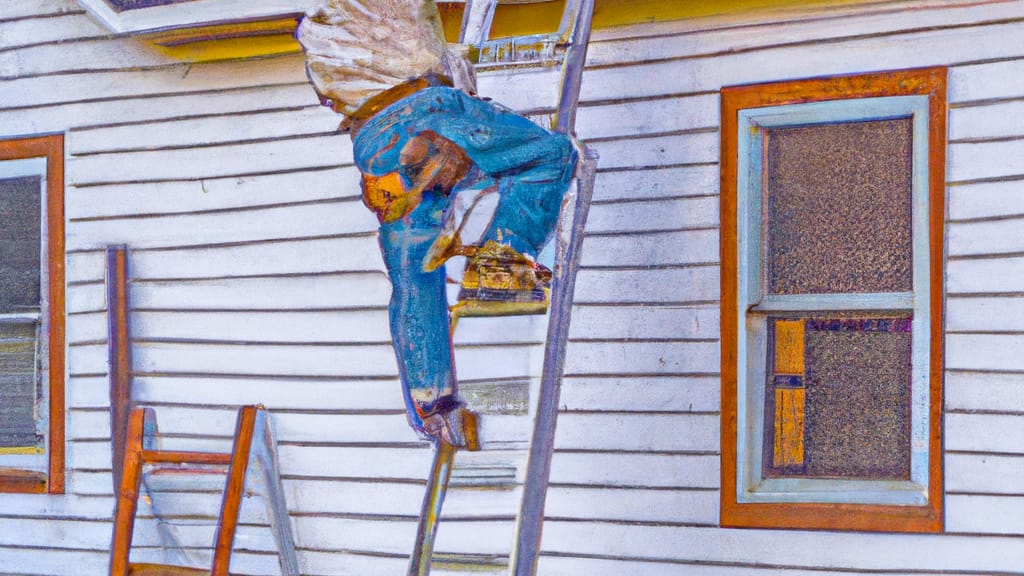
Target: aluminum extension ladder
[[566, 47]]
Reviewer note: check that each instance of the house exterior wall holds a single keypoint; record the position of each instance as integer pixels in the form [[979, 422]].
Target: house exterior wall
[[256, 278]]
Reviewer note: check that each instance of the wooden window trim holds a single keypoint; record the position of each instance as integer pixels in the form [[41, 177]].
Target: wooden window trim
[[52, 148], [930, 82]]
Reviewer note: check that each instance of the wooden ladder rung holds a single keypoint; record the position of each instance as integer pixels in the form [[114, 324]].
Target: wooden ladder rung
[[177, 457], [164, 570]]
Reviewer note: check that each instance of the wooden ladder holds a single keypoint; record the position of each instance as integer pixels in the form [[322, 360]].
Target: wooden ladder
[[134, 433]]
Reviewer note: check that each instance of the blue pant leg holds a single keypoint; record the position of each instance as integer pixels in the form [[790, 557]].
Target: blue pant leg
[[419, 312], [531, 198]]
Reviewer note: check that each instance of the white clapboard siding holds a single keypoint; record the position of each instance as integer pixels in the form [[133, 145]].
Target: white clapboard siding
[[983, 391], [318, 151], [60, 27], [635, 393], [644, 215], [700, 179], [985, 200], [644, 322], [88, 112], [176, 78], [647, 286], [627, 470], [312, 119], [822, 550], [652, 249], [210, 194]]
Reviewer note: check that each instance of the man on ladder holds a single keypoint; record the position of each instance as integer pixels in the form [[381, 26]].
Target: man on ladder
[[420, 139]]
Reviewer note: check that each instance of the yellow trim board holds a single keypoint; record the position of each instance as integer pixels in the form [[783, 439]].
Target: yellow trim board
[[513, 18], [29, 450]]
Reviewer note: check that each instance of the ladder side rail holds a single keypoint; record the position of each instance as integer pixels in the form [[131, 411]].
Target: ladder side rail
[[119, 353], [128, 496], [477, 18], [430, 513], [233, 489], [538, 469], [264, 450], [572, 69], [568, 251]]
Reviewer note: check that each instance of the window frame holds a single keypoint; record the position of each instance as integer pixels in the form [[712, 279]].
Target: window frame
[[52, 314], [748, 500]]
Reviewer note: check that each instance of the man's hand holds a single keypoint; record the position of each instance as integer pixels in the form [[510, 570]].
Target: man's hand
[[387, 196], [434, 162]]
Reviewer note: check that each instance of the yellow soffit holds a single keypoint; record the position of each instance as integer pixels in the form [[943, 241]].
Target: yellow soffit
[[513, 18]]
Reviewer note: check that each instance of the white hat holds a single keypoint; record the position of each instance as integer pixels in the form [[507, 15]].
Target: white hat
[[358, 48]]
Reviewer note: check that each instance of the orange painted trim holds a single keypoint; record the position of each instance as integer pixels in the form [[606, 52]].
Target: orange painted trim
[[22, 482], [128, 495], [930, 82], [52, 148], [233, 489]]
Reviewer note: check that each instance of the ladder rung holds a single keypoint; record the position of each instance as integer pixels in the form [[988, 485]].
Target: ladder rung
[[174, 457], [164, 570]]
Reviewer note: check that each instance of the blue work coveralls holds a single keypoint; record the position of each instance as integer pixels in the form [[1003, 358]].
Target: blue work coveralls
[[531, 168]]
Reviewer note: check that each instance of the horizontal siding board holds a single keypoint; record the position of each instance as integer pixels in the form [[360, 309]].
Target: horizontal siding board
[[655, 183], [634, 469], [351, 326], [54, 561], [985, 276], [985, 238], [355, 461], [978, 160], [208, 130], [597, 286], [979, 391], [638, 432], [90, 55], [803, 549], [642, 322], [266, 224], [984, 474], [396, 537], [985, 314], [64, 28], [657, 151], [986, 81], [210, 162], [569, 566], [648, 117], [985, 351], [37, 8], [275, 394], [999, 120], [669, 214], [633, 505], [127, 83], [210, 194], [984, 433], [299, 256], [984, 514], [642, 357], [985, 200], [795, 61], [303, 293], [804, 31], [640, 394], [156, 106], [659, 249], [338, 361]]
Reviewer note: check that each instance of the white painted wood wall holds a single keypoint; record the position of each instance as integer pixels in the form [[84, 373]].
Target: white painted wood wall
[[257, 279]]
